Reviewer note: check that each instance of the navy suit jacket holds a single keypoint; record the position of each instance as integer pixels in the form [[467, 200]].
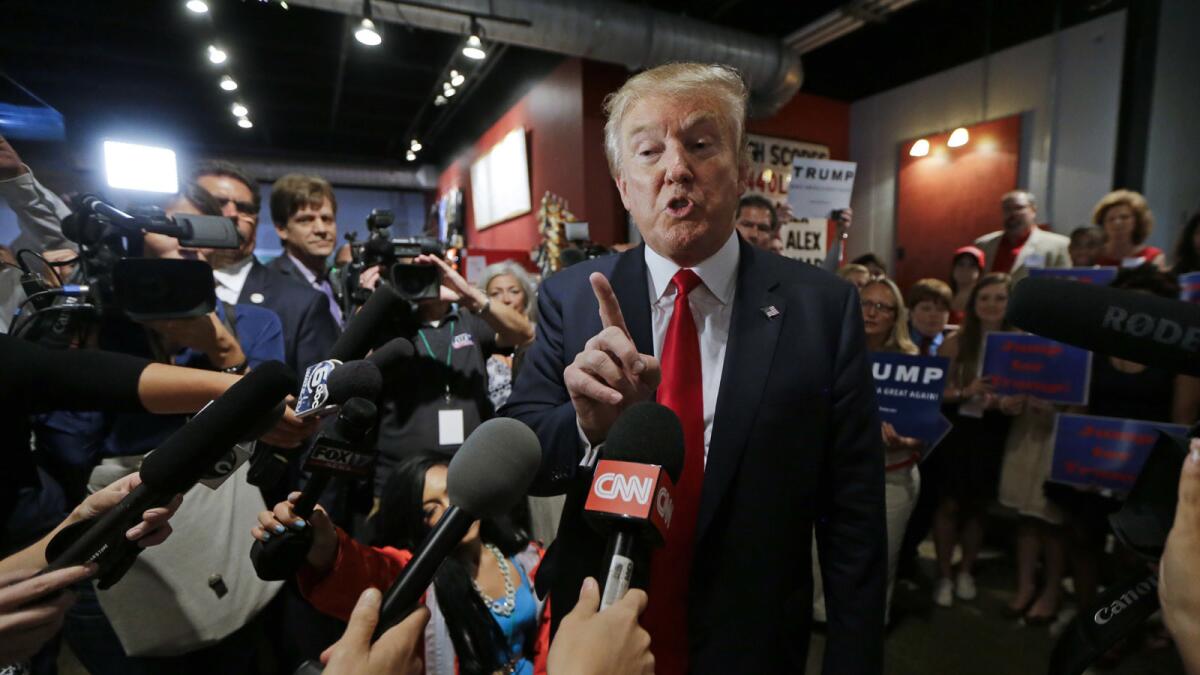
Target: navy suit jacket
[[795, 443], [309, 330]]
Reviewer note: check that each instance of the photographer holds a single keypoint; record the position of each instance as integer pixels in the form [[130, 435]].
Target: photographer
[[439, 399]]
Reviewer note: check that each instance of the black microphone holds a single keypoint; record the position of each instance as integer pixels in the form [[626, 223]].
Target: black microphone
[[173, 468], [1128, 324], [366, 328], [631, 498], [488, 475], [340, 451]]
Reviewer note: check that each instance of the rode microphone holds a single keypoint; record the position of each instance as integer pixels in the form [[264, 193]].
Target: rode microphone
[[488, 475], [631, 498], [341, 450], [171, 469], [1128, 324]]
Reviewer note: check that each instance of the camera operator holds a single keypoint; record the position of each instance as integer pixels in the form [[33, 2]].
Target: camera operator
[[443, 396], [39, 215], [309, 330]]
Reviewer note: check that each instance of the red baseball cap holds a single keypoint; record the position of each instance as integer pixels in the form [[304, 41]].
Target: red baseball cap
[[974, 252]]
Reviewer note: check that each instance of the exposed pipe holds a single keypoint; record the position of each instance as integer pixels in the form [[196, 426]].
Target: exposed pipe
[[609, 31], [839, 22]]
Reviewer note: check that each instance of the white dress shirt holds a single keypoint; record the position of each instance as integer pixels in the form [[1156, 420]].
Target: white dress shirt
[[231, 279], [712, 308]]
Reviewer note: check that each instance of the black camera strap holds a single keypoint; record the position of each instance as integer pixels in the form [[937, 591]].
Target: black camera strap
[[1120, 610]]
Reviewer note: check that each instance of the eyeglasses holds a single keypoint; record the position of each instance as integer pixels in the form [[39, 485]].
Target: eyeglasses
[[877, 306], [244, 208]]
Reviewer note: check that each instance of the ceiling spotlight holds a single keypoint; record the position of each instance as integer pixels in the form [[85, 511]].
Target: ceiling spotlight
[[449, 91], [457, 78], [228, 83], [958, 138], [410, 156], [474, 48], [197, 6], [239, 110], [283, 4], [919, 149], [440, 100], [216, 55], [245, 123], [416, 145], [368, 34]]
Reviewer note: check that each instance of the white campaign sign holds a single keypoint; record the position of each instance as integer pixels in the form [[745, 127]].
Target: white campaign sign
[[771, 161], [820, 186]]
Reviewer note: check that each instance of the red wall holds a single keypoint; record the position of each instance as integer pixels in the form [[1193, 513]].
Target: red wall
[[564, 119]]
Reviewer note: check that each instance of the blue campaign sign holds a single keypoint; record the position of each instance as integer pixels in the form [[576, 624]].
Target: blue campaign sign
[[1019, 363], [1189, 287], [1097, 276], [908, 390], [1103, 452]]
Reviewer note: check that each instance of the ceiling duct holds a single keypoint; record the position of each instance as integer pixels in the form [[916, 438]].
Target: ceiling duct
[[613, 32]]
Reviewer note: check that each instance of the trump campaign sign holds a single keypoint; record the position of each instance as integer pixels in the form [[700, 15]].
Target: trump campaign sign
[[771, 160], [1097, 276], [908, 390], [1104, 452], [1018, 363]]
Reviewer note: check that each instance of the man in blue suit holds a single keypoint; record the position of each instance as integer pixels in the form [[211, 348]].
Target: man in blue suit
[[764, 361], [309, 329]]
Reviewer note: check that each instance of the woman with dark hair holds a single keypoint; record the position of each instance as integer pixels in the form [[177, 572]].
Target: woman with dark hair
[[1127, 222], [1187, 249], [970, 455], [967, 266], [485, 617]]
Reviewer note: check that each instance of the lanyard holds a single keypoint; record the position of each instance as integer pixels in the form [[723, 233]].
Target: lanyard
[[449, 351]]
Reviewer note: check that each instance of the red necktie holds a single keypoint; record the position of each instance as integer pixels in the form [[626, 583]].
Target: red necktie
[[682, 391]]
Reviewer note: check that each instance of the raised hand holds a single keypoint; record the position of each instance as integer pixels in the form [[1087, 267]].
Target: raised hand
[[609, 374]]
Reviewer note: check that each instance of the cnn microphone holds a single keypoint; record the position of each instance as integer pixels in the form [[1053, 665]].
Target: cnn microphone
[[173, 468], [1128, 324], [488, 475], [632, 494], [342, 450]]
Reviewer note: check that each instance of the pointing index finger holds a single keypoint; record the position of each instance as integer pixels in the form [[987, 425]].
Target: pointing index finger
[[610, 309]]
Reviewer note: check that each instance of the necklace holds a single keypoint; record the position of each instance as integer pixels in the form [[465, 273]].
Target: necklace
[[506, 606]]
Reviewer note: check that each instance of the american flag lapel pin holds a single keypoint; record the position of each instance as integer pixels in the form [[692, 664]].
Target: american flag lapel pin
[[771, 312]]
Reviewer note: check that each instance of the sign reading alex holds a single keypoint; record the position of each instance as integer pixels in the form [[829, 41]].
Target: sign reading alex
[[770, 175], [1103, 452], [1028, 364], [1097, 276], [908, 390]]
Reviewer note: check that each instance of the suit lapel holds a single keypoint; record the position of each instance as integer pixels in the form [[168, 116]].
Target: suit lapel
[[631, 287], [753, 332]]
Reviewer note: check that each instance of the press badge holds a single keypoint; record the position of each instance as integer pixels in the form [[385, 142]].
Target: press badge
[[450, 427]]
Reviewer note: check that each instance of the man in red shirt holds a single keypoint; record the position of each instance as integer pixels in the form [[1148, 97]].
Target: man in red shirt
[[1022, 244]]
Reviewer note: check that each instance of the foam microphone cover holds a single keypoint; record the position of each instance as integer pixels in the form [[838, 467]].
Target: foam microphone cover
[[647, 433], [184, 457], [363, 329], [392, 354], [493, 468], [356, 378], [1129, 324]]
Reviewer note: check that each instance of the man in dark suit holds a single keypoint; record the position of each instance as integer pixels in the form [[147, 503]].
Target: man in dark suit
[[304, 211], [764, 361], [309, 330]]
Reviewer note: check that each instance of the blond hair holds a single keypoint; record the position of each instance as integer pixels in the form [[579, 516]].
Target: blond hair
[[899, 341], [712, 81], [1143, 220]]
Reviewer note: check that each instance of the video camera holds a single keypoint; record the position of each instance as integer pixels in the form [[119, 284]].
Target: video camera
[[114, 280], [413, 282]]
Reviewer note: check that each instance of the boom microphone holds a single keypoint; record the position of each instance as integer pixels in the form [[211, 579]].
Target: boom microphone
[[171, 469], [341, 451], [1128, 324], [631, 497], [488, 475]]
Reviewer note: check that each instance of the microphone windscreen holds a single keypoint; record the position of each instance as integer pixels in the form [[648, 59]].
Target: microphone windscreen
[[356, 378], [184, 457], [492, 470], [1125, 323], [356, 416], [363, 328], [396, 350], [647, 433]]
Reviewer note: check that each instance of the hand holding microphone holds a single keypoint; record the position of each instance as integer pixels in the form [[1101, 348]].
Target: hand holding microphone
[[626, 643]]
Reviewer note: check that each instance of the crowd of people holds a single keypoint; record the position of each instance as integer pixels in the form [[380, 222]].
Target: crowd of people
[[797, 439]]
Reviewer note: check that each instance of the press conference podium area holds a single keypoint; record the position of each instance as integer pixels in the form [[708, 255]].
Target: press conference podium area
[[971, 638]]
